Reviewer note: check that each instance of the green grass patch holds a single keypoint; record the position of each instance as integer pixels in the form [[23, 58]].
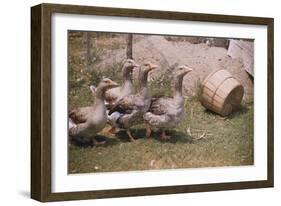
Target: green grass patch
[[203, 139]]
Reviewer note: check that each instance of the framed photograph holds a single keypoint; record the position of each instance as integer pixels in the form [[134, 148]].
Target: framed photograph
[[130, 102]]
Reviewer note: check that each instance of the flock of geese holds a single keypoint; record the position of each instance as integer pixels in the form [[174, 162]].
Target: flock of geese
[[122, 107]]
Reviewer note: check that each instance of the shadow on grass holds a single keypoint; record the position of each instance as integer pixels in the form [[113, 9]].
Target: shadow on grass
[[80, 142], [241, 110], [176, 137], [136, 133]]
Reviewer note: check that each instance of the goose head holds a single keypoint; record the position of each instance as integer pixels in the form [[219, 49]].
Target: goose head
[[103, 86], [130, 64], [179, 74], [107, 83], [181, 71], [128, 67], [145, 69]]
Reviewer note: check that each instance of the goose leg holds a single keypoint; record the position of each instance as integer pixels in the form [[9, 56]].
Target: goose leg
[[112, 130], [96, 142], [164, 136], [148, 130], [130, 135]]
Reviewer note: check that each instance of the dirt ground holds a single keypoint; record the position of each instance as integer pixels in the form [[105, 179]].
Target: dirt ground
[[168, 54]]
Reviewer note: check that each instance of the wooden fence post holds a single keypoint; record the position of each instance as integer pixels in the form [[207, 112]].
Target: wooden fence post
[[88, 54], [130, 46]]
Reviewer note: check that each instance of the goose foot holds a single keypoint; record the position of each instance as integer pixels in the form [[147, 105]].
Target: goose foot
[[112, 130], [96, 142], [164, 136], [148, 131], [130, 135]]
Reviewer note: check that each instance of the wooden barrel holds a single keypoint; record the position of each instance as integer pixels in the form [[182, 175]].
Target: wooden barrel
[[221, 92]]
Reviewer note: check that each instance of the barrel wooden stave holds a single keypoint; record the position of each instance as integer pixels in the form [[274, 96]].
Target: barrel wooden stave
[[221, 92]]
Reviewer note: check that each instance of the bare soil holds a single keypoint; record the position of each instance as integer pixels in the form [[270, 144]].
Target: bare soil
[[167, 54]]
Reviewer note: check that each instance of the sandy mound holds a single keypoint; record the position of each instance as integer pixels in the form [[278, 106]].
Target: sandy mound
[[167, 54]]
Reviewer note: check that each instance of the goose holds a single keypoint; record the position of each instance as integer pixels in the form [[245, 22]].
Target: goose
[[129, 110], [115, 94], [167, 112], [86, 122]]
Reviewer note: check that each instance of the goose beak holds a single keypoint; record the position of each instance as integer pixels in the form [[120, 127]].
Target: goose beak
[[153, 66], [187, 70], [135, 65], [113, 84]]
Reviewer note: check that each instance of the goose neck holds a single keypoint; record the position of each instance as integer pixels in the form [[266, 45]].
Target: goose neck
[[143, 79], [126, 74], [99, 97], [177, 90]]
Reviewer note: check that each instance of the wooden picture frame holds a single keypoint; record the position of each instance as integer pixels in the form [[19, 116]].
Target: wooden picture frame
[[41, 171]]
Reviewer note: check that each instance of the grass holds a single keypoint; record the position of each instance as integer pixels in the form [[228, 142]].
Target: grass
[[203, 139]]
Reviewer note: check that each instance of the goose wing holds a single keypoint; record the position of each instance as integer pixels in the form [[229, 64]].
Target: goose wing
[[112, 95], [160, 106], [128, 104], [79, 115]]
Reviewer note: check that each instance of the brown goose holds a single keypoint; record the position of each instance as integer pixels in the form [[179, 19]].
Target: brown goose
[[86, 122], [126, 88], [130, 109], [167, 112]]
